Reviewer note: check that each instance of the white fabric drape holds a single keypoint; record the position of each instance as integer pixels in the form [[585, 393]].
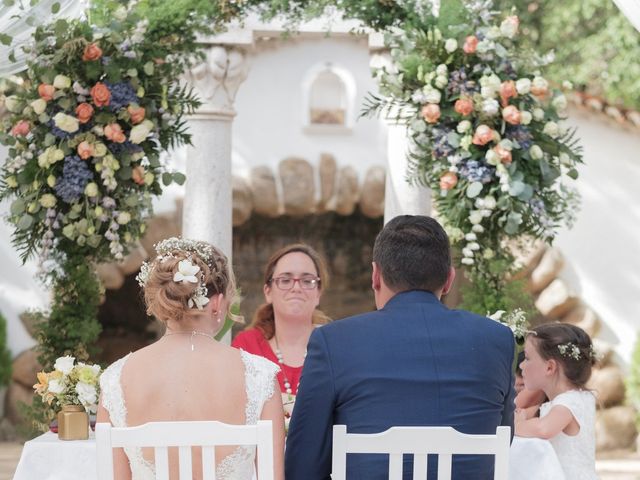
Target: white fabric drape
[[631, 10], [20, 24]]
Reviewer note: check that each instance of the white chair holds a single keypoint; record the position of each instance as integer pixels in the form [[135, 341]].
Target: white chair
[[420, 441], [184, 435]]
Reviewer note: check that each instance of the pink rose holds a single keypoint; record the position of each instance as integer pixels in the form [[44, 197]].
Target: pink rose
[[91, 52], [101, 95], [470, 44], [511, 115], [431, 112], [507, 91], [448, 181], [114, 132], [85, 150], [21, 129], [46, 91], [483, 135], [464, 106], [503, 154], [84, 112], [137, 114], [138, 175]]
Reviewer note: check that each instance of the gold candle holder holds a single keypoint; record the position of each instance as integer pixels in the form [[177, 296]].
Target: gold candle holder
[[73, 423]]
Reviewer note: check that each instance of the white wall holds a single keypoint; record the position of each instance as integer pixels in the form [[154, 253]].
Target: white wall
[[602, 250]]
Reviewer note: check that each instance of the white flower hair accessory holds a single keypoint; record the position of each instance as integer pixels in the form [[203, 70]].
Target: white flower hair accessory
[[186, 272], [570, 350]]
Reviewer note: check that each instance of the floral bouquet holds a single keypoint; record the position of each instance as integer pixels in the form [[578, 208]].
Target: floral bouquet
[[516, 320], [70, 384], [486, 127], [85, 131]]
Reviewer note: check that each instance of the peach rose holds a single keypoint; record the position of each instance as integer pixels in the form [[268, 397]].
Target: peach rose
[[431, 112], [46, 91], [114, 132], [470, 44], [507, 91], [483, 135], [101, 95], [138, 175], [91, 52], [503, 154], [511, 115], [85, 150], [84, 112], [448, 181], [137, 114], [21, 129], [464, 106]]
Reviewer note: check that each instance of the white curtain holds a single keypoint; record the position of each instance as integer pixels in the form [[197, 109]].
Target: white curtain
[[631, 10], [20, 24]]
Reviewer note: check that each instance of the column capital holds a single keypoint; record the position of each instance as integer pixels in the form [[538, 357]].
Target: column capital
[[217, 79]]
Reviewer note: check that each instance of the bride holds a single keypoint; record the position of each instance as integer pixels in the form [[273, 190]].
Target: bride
[[187, 375]]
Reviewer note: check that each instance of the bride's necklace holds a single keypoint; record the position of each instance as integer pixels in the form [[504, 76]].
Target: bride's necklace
[[287, 383], [193, 333]]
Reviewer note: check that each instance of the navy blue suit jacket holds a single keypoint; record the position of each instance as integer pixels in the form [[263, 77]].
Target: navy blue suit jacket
[[412, 363]]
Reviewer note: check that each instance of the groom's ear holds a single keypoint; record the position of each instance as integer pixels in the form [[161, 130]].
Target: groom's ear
[[376, 282], [449, 283]]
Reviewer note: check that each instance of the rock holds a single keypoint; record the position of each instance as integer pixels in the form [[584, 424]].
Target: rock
[[347, 193], [242, 200], [327, 172], [159, 228], [549, 267], [110, 276], [298, 186], [527, 255], [556, 300], [372, 195], [29, 319], [133, 261], [16, 396], [615, 428], [264, 192], [608, 383], [585, 318], [7, 431], [25, 367]]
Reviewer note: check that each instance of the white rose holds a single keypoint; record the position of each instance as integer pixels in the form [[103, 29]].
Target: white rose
[[523, 86], [477, 228], [441, 81], [540, 82], [442, 70], [39, 106], [120, 13], [463, 126], [451, 45], [48, 200], [55, 386], [492, 157], [66, 122], [61, 82], [475, 217], [536, 152], [12, 104], [490, 202], [91, 190], [123, 218], [140, 132], [64, 364], [525, 117], [432, 95], [560, 102], [565, 159], [551, 129], [538, 114], [490, 107], [87, 394], [471, 237], [509, 26]]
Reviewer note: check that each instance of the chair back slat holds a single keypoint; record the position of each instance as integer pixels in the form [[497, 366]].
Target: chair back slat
[[161, 463], [208, 463], [395, 466], [184, 462], [104, 452], [264, 443], [444, 467], [419, 442], [420, 467]]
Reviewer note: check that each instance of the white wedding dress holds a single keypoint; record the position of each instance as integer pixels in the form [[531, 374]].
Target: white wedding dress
[[239, 465]]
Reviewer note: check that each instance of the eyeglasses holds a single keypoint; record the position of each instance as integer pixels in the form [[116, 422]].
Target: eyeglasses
[[308, 282]]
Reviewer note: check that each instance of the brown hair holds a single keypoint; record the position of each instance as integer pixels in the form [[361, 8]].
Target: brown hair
[[264, 318], [547, 339], [169, 300]]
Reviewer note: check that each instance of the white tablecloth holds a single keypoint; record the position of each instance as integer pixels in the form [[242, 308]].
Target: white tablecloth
[[533, 459], [48, 458]]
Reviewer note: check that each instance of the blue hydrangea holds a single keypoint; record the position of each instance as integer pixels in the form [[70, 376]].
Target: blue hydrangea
[[441, 147], [75, 176], [475, 171], [459, 84], [122, 94], [520, 134], [125, 147]]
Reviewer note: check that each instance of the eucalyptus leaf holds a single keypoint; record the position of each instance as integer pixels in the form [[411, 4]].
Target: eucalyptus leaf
[[179, 178], [25, 222], [17, 206], [526, 194], [573, 173], [5, 39], [167, 178], [516, 188], [55, 8]]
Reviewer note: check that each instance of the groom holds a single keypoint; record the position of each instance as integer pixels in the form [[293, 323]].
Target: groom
[[412, 362]]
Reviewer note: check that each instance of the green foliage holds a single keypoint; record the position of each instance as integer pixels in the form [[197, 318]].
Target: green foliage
[[5, 355], [595, 46], [633, 380]]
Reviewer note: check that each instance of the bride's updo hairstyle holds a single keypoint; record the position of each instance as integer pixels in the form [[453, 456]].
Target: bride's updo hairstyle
[[181, 279]]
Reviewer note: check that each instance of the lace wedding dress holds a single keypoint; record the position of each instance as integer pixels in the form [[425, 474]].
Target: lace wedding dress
[[239, 465]]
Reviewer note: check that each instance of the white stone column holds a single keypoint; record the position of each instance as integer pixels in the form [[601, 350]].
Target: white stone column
[[207, 210], [402, 197]]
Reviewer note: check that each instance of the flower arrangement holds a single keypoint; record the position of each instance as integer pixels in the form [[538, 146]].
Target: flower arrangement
[[487, 131], [70, 383], [516, 320], [85, 131]]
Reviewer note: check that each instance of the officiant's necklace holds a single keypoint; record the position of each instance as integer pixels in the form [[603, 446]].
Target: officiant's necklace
[[193, 333], [287, 383]]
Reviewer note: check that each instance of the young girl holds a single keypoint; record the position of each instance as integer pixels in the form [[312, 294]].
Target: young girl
[[558, 361]]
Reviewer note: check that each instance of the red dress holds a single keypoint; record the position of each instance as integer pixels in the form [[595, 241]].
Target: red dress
[[252, 341]]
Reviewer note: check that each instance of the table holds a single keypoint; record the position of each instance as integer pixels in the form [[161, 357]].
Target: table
[[533, 459]]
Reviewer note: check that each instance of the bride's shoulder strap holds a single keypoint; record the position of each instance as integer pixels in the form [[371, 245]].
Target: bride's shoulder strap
[[111, 392]]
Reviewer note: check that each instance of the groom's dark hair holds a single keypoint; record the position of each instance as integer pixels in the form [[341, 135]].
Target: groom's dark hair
[[413, 253]]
